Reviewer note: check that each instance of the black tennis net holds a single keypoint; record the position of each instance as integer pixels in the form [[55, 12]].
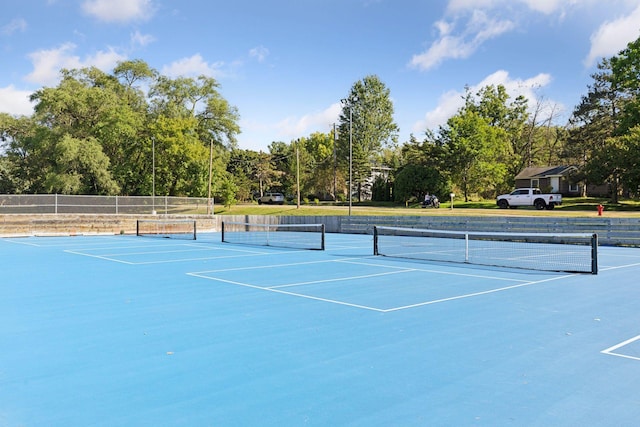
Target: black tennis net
[[168, 228], [295, 236], [569, 252]]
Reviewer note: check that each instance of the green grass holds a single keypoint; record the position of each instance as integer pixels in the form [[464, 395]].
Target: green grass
[[577, 207]]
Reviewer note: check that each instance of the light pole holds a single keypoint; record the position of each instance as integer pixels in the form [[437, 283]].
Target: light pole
[[348, 104], [335, 164], [298, 173], [209, 204], [153, 176]]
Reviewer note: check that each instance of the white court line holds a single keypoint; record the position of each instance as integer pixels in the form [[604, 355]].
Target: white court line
[[475, 294], [338, 279], [287, 293], [162, 261], [173, 251], [277, 289], [258, 267], [17, 242], [619, 267], [450, 273], [357, 261], [99, 257], [610, 350], [20, 240]]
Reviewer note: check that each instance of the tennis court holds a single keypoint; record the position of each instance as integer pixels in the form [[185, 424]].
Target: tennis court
[[126, 330]]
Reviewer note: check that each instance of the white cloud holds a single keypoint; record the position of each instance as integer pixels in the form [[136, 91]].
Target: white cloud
[[450, 102], [479, 21], [48, 63], [613, 36], [260, 53], [139, 39], [15, 102], [479, 29], [15, 26], [118, 10], [546, 7], [322, 121], [192, 67], [456, 6]]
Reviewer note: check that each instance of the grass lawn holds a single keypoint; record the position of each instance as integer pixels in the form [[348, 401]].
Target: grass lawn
[[571, 207]]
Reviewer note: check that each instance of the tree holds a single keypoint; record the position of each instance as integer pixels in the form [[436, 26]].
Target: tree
[[629, 159], [625, 79], [318, 172], [254, 172], [474, 152], [367, 121], [126, 114], [80, 167], [200, 117], [88, 103], [413, 181], [26, 156], [592, 126], [228, 192], [509, 118]]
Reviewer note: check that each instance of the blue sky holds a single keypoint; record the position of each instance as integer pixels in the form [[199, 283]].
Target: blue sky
[[285, 64]]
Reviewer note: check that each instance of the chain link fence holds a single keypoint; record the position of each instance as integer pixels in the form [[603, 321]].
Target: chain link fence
[[124, 205]]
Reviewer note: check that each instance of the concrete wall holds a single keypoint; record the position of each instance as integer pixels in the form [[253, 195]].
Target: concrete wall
[[70, 224], [611, 231]]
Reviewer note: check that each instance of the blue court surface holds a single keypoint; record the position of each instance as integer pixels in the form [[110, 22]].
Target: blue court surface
[[135, 331]]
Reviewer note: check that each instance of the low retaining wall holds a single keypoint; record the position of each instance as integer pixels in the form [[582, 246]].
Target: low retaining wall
[[611, 231], [66, 224]]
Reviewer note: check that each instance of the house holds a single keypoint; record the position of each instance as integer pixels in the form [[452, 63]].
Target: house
[[557, 179], [550, 179]]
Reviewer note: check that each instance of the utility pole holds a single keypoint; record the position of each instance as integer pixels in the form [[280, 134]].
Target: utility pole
[[209, 204], [335, 164], [298, 171], [153, 175]]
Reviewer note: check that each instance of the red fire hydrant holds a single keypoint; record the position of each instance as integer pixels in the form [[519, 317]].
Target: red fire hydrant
[[600, 209]]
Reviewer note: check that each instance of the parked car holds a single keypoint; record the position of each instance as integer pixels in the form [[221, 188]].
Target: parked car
[[271, 199], [529, 197]]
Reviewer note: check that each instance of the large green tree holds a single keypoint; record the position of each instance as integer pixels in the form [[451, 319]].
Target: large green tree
[[26, 154], [366, 126], [475, 153], [592, 128], [126, 121], [80, 167]]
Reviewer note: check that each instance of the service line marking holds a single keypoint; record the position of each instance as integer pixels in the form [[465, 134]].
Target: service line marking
[[611, 350]]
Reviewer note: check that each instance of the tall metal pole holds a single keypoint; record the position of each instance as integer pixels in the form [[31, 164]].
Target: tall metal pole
[[350, 155], [298, 172], [153, 176], [349, 104], [209, 204], [335, 164]]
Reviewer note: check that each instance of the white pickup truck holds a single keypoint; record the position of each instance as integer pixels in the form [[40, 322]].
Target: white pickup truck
[[529, 197]]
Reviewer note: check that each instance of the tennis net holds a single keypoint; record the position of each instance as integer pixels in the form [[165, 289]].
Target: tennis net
[[569, 252], [295, 236], [168, 228]]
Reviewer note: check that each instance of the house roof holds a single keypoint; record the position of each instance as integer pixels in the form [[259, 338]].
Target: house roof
[[545, 172]]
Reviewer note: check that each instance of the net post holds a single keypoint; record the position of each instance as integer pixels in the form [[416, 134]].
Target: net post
[[466, 247], [594, 254], [267, 227], [222, 231], [194, 230], [137, 227], [375, 240], [322, 238]]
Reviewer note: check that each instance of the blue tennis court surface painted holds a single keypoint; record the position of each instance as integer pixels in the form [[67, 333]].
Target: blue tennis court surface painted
[[132, 331]]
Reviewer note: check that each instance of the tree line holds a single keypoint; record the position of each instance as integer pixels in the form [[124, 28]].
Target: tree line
[[134, 131]]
